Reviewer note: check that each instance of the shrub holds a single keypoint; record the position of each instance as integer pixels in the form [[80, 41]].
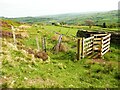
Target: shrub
[[41, 54]]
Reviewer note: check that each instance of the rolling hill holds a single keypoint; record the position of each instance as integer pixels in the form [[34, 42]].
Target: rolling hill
[[109, 17]]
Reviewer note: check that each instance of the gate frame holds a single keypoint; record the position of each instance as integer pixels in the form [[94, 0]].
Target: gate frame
[[103, 41]]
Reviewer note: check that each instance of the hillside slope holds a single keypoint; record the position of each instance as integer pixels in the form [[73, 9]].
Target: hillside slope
[[109, 17], [20, 69]]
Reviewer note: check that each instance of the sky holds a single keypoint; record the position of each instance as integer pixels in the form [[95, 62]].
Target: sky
[[24, 8]]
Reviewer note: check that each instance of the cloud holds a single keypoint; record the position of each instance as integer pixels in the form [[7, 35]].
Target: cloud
[[16, 8]]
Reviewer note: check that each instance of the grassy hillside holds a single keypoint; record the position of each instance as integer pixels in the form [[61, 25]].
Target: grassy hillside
[[5, 24], [21, 69]]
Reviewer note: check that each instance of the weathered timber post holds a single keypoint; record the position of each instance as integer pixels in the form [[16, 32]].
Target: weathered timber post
[[44, 44], [109, 42], [93, 45], [101, 47], [83, 48], [0, 39], [92, 42], [1, 56], [37, 43], [58, 44], [13, 31], [79, 48]]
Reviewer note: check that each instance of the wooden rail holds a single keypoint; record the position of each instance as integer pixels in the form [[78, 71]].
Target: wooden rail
[[87, 46], [84, 47], [105, 44], [97, 42]]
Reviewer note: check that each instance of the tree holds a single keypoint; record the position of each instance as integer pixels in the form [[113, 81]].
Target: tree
[[89, 23], [62, 23], [104, 25]]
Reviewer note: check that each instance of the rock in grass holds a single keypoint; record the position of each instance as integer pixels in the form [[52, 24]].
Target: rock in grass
[[63, 48], [30, 51], [41, 54]]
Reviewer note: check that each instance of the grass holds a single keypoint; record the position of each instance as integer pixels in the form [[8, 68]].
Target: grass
[[113, 54], [61, 73], [20, 70]]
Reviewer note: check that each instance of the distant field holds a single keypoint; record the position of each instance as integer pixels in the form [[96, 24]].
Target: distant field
[[73, 29]]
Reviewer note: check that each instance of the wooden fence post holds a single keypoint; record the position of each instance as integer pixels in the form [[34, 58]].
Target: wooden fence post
[[37, 43], [109, 41], [1, 56], [83, 48], [101, 47], [78, 49], [44, 44], [92, 45], [0, 39], [13, 31], [58, 44]]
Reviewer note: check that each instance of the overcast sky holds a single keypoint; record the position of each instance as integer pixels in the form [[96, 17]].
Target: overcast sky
[[23, 8]]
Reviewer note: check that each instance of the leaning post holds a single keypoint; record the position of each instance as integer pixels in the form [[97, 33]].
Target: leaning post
[[58, 44]]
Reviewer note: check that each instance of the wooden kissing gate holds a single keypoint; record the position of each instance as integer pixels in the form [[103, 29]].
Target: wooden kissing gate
[[95, 46]]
